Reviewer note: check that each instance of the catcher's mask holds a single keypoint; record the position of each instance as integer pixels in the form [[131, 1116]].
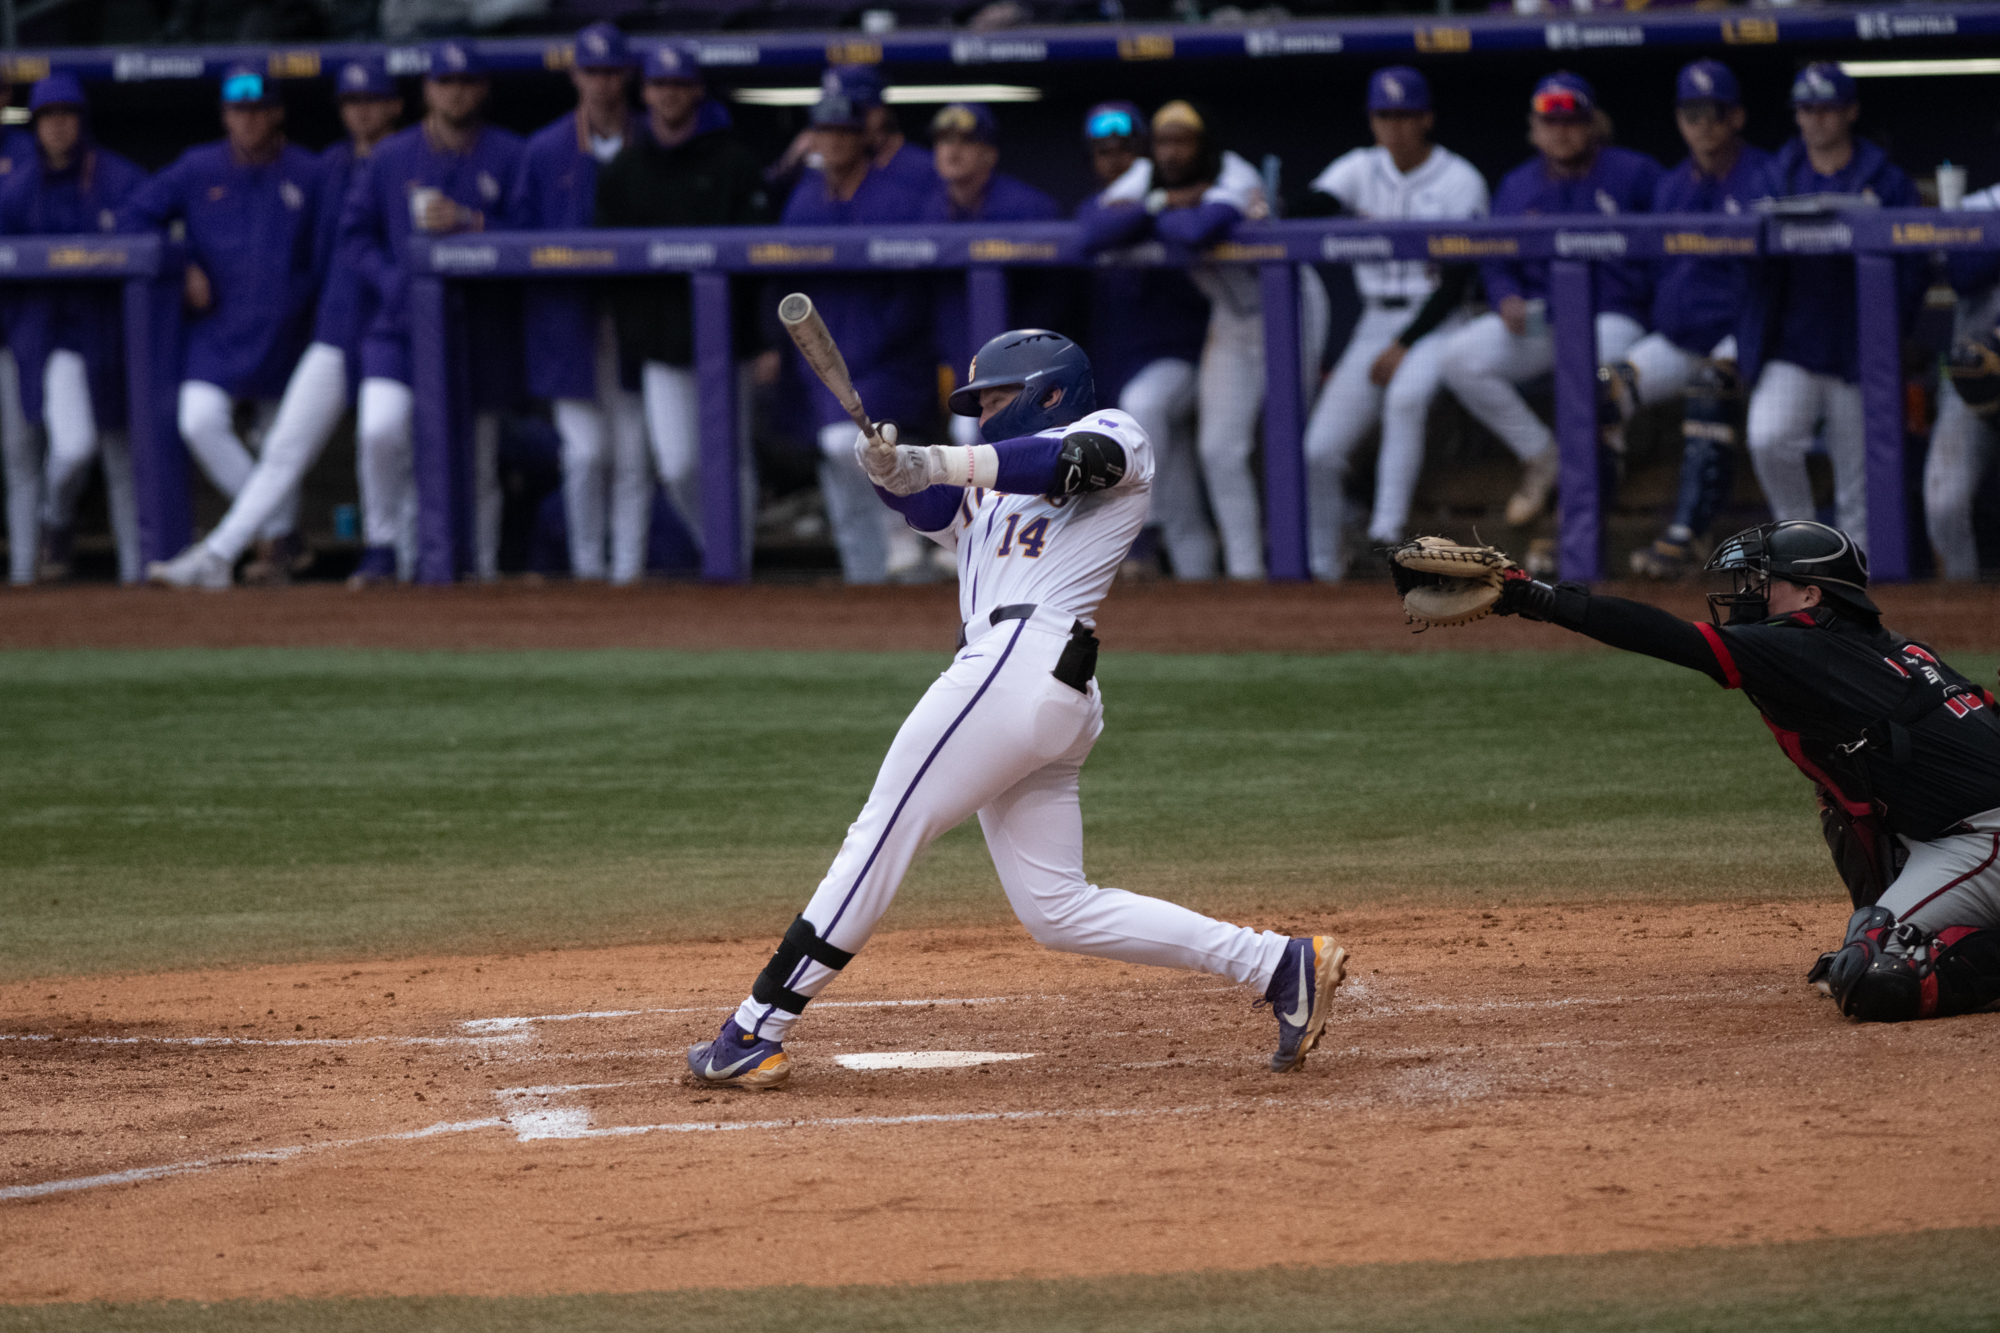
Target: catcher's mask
[[1798, 551]]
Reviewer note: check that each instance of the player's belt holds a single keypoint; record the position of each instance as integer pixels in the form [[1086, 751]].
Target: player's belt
[[1078, 662]]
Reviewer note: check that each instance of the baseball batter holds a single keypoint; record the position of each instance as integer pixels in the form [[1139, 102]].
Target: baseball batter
[[1389, 372], [1040, 519], [1903, 751]]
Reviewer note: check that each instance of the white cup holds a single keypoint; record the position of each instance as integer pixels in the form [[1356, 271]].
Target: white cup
[[1537, 318], [420, 203], [1950, 186]]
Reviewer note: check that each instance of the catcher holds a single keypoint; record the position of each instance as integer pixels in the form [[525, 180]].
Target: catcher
[[1903, 751]]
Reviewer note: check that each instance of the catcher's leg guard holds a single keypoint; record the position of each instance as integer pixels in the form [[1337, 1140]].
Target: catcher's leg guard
[[801, 942], [1712, 405], [1886, 973]]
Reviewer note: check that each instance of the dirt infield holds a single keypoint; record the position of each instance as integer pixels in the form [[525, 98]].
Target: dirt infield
[[1521, 1081], [1148, 617]]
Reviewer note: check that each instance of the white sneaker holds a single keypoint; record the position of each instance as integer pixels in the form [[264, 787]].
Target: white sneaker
[[1538, 478], [196, 567]]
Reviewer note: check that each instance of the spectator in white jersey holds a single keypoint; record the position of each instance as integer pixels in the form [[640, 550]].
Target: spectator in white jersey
[[1390, 370]]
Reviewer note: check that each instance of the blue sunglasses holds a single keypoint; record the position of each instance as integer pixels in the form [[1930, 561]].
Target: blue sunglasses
[[1106, 124], [243, 88]]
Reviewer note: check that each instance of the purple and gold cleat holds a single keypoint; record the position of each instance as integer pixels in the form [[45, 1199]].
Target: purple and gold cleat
[[737, 1059], [1300, 991]]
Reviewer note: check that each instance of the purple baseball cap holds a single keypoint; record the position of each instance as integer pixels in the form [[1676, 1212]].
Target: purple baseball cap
[[59, 89], [246, 85], [1564, 96], [1824, 83], [602, 46], [455, 60], [1708, 81], [836, 111], [967, 120], [1398, 88], [672, 62], [367, 78], [859, 84]]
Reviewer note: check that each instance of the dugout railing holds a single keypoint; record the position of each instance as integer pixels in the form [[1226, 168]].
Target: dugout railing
[[1573, 246]]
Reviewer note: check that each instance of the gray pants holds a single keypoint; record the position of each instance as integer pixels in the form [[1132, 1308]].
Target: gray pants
[[1953, 880]]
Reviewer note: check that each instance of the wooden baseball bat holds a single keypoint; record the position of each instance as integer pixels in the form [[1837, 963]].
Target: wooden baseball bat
[[809, 331]]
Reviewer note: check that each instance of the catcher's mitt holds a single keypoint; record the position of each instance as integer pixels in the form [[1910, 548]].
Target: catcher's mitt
[[1444, 583]]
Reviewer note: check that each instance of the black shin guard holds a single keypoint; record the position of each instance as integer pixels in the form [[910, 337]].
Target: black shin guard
[[801, 942], [1968, 969]]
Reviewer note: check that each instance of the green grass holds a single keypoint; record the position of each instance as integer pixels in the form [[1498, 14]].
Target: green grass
[[167, 809], [1937, 1281]]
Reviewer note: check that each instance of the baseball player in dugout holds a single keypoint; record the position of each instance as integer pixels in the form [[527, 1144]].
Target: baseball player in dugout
[[574, 365], [687, 168], [19, 451], [1200, 192], [1903, 751], [67, 340], [1813, 380], [323, 383], [1699, 306], [1147, 324], [445, 175], [881, 322], [1968, 399], [1577, 170], [965, 147], [1390, 370], [250, 205], [1039, 518]]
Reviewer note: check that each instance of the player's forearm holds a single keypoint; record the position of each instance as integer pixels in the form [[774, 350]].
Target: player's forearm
[[930, 510], [1110, 228], [1453, 283], [1204, 224], [1616, 622]]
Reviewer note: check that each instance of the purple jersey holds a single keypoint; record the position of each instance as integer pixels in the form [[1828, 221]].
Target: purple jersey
[[1816, 328], [346, 301], [1006, 200], [556, 188], [1697, 302], [82, 317], [375, 232], [251, 229], [1137, 315], [882, 324], [1620, 181]]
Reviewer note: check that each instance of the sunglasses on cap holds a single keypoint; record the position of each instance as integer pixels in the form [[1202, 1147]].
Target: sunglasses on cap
[[1557, 102], [1109, 124], [243, 88]]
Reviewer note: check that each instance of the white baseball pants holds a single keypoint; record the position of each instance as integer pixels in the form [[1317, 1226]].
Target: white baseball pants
[[314, 402], [673, 414], [21, 453], [207, 423], [607, 478], [1348, 407], [1664, 367], [1951, 881], [387, 465], [1483, 362], [74, 443], [1789, 403], [1162, 398], [998, 734], [1961, 446], [862, 524]]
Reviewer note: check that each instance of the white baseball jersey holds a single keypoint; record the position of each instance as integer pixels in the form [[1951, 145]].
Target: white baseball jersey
[[1059, 552], [1444, 186]]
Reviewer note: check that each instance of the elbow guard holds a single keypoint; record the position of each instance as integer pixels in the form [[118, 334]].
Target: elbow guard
[[1088, 462]]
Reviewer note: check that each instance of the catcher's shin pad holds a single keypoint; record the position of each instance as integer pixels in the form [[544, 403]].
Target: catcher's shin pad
[[1445, 583]]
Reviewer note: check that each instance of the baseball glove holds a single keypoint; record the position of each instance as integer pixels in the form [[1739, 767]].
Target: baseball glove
[[1444, 583]]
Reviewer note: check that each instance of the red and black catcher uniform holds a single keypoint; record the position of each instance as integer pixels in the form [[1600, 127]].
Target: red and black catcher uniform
[[1903, 751]]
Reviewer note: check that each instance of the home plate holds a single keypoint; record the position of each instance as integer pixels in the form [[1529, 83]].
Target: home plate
[[926, 1059]]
